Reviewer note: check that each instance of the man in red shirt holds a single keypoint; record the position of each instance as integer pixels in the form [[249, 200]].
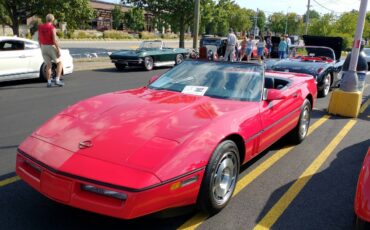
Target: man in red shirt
[[50, 49]]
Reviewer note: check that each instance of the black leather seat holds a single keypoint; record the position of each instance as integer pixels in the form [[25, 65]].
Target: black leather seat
[[269, 83]]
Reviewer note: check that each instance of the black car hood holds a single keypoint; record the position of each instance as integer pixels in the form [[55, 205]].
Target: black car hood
[[332, 42], [297, 66]]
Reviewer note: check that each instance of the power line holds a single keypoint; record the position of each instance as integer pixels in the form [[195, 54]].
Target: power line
[[322, 6]]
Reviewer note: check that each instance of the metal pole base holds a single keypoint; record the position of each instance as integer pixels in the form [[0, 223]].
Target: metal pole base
[[349, 81]]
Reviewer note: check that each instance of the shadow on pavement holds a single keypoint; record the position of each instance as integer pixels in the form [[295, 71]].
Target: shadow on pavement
[[3, 85], [326, 202]]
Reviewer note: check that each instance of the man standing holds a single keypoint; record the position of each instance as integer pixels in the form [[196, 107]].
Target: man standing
[[230, 48], [50, 49]]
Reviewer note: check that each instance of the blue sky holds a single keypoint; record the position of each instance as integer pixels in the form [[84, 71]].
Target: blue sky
[[297, 6]]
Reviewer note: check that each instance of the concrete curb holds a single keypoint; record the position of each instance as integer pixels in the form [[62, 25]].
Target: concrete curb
[[91, 64]]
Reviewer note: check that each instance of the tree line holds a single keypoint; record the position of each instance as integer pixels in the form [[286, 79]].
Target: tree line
[[216, 17]]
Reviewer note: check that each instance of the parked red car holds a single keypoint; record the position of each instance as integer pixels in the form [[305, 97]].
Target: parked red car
[[178, 141], [362, 198]]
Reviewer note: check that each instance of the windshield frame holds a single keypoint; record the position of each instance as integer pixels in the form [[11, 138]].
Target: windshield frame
[[312, 47], [152, 42]]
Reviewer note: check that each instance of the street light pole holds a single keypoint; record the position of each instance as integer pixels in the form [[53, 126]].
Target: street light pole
[[286, 21], [255, 24], [196, 23], [307, 17], [350, 82]]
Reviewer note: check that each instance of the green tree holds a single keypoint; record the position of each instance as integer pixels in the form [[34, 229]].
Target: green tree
[[313, 14], [322, 26], [293, 22], [177, 12], [74, 12], [134, 19], [347, 23], [261, 20], [117, 17], [276, 22], [16, 10]]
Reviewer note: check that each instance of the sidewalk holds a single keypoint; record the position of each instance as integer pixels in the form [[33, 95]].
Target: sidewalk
[[92, 63]]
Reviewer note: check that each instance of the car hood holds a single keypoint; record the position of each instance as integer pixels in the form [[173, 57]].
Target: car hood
[[332, 42], [126, 53], [298, 66], [124, 126]]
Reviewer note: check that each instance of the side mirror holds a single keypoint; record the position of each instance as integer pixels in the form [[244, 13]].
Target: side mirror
[[153, 79], [273, 94]]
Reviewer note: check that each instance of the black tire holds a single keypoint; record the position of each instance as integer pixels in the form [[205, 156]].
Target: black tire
[[222, 169], [120, 67], [43, 76], [148, 63], [327, 84], [299, 133], [179, 59]]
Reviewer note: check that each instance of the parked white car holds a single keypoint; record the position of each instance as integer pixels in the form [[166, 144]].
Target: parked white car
[[21, 58]]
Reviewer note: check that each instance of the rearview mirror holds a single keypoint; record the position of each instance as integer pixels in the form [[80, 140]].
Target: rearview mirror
[[274, 94], [153, 79]]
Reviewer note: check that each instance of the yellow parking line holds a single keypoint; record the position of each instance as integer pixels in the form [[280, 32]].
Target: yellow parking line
[[198, 219], [9, 181], [277, 210], [365, 105]]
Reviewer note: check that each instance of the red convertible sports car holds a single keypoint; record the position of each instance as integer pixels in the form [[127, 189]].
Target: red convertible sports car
[[178, 141], [362, 198]]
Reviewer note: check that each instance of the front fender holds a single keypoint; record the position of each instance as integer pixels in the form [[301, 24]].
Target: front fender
[[362, 198]]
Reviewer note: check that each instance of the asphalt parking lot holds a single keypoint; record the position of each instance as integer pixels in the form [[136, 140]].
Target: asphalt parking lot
[[308, 186]]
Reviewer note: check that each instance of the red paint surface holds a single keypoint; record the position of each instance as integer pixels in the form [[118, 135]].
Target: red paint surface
[[362, 198]]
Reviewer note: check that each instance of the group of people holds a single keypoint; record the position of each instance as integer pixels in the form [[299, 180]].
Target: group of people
[[261, 48]]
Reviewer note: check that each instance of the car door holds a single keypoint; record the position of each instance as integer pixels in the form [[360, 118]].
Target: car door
[[13, 61], [279, 116], [168, 54], [34, 57]]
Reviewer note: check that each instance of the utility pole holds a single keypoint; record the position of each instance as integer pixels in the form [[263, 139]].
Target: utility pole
[[307, 17], [196, 23], [255, 24], [286, 21]]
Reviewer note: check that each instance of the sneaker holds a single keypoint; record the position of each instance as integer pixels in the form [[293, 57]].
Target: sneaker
[[59, 83], [48, 85]]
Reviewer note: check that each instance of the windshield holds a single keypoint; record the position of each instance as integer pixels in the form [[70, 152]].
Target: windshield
[[151, 45], [311, 53], [225, 80], [367, 51], [212, 42]]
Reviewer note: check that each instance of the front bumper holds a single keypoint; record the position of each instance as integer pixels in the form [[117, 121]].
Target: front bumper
[[67, 190], [128, 62]]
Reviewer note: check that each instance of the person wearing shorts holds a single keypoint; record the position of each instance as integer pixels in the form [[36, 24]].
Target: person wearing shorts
[[260, 49], [249, 48], [50, 49]]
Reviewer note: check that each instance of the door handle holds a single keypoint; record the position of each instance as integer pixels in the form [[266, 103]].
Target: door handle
[[22, 56]]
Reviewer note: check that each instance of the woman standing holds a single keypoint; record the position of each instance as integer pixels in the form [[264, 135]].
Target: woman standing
[[249, 47], [260, 49], [243, 45], [282, 47]]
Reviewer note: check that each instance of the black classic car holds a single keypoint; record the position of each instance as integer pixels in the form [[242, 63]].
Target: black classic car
[[217, 45], [319, 57], [150, 54]]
